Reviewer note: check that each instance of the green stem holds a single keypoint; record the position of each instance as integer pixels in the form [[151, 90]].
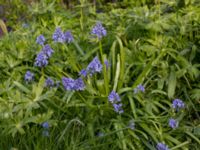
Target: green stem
[[104, 69], [78, 48], [42, 71], [101, 51]]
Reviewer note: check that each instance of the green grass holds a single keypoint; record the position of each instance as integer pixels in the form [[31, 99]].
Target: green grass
[[153, 43]]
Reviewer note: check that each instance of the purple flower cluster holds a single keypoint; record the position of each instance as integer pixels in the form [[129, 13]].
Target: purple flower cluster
[[49, 82], [78, 84], [161, 146], [45, 125], [140, 87], [99, 30], [93, 67], [42, 57], [115, 100], [68, 37], [178, 104], [83, 72], [59, 36], [29, 76], [41, 60], [173, 123], [47, 50], [40, 40], [73, 85], [114, 97]]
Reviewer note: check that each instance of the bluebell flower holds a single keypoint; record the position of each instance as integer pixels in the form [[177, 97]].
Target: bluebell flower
[[79, 85], [45, 125], [58, 36], [47, 50], [45, 133], [41, 60], [40, 39], [173, 123], [140, 87], [161, 146], [68, 37], [71, 84], [29, 76], [83, 72], [68, 83], [115, 100], [178, 104], [118, 108], [94, 66], [49, 82], [99, 30], [114, 97]]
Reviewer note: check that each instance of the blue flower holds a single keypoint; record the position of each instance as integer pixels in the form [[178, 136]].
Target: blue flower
[[68, 83], [161, 146], [58, 36], [41, 60], [83, 72], [94, 66], [47, 50], [40, 40], [29, 76], [71, 84], [68, 37], [178, 104], [115, 100], [118, 108], [114, 97], [140, 87], [79, 85], [45, 125], [49, 82], [173, 123], [99, 30]]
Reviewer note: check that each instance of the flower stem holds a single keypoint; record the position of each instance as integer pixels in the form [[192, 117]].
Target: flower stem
[[106, 84]]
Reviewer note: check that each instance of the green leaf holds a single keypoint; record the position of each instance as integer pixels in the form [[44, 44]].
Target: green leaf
[[21, 87], [172, 83], [37, 90], [193, 136]]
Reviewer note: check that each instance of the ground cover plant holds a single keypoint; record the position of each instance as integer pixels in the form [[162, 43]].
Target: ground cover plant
[[100, 75]]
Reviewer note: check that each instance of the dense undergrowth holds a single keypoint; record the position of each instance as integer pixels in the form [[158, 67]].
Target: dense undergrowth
[[146, 52]]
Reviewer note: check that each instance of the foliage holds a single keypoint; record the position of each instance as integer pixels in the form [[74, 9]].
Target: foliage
[[155, 45]]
